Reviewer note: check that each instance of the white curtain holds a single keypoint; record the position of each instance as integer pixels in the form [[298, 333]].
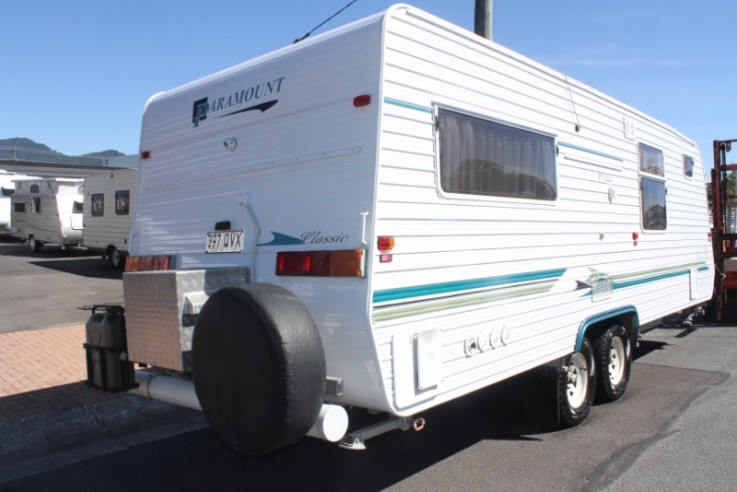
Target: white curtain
[[482, 157]]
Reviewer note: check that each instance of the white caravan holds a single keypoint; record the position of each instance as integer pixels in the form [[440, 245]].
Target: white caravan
[[7, 188], [48, 210], [108, 197], [392, 215]]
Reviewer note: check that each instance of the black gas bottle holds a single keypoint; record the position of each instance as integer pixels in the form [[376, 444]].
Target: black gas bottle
[[108, 367]]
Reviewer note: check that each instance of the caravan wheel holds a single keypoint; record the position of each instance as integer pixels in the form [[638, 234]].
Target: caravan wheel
[[116, 259], [614, 363], [576, 386], [34, 245], [258, 367]]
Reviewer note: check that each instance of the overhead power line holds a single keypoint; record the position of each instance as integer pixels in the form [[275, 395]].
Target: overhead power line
[[324, 22]]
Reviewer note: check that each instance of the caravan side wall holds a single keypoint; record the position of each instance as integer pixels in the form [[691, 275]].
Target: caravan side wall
[[483, 287], [108, 201]]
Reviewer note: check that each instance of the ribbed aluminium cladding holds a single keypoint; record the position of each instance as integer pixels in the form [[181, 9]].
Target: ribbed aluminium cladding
[[161, 309]]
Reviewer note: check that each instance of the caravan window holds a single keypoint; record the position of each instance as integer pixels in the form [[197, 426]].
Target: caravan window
[[7, 191], [19, 207], [652, 189], [97, 202], [77, 207], [36, 205], [35, 188], [688, 166], [651, 160], [483, 157], [122, 202]]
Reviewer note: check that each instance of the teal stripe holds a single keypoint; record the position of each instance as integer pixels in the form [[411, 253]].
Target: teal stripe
[[463, 285], [591, 151], [644, 280], [403, 104]]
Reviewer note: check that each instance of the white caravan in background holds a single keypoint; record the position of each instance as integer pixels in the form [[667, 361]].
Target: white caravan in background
[[395, 214], [108, 200], [7, 188], [48, 210]]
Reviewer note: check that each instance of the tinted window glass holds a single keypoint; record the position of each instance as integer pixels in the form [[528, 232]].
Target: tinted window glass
[[482, 157], [653, 204], [97, 202], [122, 202]]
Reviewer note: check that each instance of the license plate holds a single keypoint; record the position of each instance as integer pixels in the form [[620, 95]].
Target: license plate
[[224, 242]]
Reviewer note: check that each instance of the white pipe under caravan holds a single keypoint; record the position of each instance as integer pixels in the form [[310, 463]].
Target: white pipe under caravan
[[331, 424]]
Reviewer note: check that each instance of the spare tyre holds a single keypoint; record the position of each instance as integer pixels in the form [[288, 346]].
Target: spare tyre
[[258, 367]]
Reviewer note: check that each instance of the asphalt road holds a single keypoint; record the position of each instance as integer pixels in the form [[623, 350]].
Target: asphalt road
[[49, 288], [673, 430]]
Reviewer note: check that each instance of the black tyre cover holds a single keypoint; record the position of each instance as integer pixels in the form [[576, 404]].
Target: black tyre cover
[[258, 367]]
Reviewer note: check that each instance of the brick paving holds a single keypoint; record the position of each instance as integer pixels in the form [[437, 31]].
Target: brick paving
[[42, 371]]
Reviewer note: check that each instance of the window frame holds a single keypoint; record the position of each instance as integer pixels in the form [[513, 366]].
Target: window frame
[[460, 195]]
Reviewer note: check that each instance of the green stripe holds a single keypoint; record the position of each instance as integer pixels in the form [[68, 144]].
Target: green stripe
[[591, 151], [646, 280], [403, 104], [463, 285]]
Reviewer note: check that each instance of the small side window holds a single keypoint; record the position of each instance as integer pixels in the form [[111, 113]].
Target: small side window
[[97, 202], [35, 188], [652, 189], [651, 160], [36, 205], [688, 166], [77, 207], [122, 202], [19, 207], [653, 204]]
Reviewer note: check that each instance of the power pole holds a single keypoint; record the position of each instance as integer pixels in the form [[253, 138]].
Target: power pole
[[483, 18]]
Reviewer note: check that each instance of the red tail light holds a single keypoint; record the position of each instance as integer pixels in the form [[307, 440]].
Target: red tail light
[[147, 263], [344, 263]]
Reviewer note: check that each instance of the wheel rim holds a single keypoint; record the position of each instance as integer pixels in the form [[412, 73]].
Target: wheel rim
[[115, 257], [616, 361], [577, 385]]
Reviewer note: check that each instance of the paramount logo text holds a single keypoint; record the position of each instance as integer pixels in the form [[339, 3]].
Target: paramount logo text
[[204, 107]]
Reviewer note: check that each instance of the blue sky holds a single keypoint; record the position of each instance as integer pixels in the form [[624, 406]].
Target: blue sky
[[75, 74]]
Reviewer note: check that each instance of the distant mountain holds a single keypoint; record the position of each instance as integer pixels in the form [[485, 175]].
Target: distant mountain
[[25, 149], [104, 153]]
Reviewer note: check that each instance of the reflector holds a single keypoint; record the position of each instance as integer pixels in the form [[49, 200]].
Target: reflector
[[385, 243], [361, 101]]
